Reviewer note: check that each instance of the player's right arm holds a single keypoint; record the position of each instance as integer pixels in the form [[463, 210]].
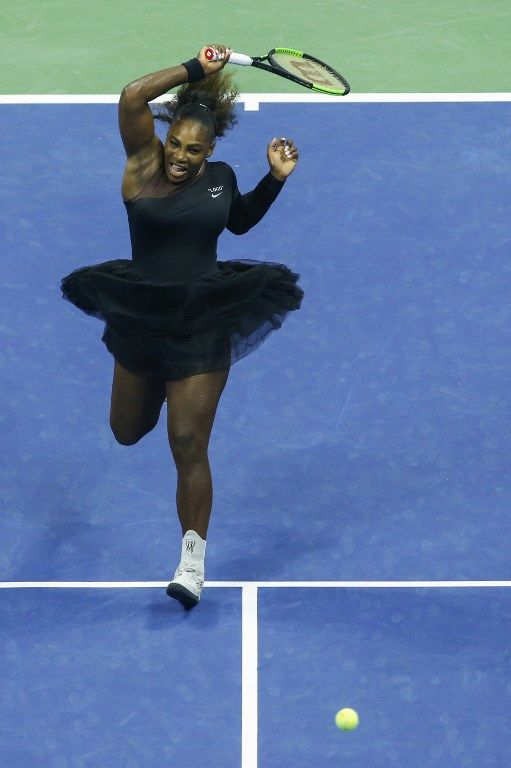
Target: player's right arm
[[136, 122], [144, 149]]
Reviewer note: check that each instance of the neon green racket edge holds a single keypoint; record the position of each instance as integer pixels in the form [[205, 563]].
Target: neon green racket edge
[[302, 68]]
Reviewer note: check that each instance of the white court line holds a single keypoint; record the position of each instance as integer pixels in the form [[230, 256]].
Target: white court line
[[255, 584], [249, 678], [253, 100]]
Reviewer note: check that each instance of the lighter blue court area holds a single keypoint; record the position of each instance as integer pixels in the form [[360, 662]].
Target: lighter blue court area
[[368, 438], [426, 669]]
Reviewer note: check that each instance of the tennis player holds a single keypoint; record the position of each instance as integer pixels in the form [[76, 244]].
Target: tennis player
[[176, 318]]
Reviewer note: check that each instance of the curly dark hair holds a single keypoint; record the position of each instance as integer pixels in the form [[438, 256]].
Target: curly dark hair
[[216, 91]]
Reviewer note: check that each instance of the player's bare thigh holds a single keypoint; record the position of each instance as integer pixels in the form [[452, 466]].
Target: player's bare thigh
[[135, 405]]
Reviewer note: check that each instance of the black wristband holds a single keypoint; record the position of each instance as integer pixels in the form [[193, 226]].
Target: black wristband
[[194, 69]]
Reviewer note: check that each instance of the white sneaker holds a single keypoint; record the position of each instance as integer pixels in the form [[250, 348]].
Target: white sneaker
[[186, 585], [188, 580]]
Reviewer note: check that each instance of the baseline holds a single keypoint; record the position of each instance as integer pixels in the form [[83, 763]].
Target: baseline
[[252, 584], [252, 101]]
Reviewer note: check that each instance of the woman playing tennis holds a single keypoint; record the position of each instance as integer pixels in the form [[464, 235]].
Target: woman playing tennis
[[176, 318]]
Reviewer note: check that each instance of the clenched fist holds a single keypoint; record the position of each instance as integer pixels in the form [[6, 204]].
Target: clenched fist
[[210, 67]]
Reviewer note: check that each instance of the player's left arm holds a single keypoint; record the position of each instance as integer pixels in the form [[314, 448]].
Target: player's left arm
[[248, 209]]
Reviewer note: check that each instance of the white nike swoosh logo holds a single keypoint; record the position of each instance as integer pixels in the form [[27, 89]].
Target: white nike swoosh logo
[[212, 195]]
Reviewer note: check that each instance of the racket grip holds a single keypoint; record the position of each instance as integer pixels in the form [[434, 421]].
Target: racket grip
[[240, 58], [234, 58]]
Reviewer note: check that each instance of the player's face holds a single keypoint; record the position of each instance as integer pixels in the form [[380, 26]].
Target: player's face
[[186, 147]]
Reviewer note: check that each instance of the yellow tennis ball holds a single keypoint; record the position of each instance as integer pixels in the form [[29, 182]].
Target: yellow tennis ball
[[346, 719]]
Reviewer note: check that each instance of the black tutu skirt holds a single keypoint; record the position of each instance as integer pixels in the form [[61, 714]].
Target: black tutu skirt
[[171, 330]]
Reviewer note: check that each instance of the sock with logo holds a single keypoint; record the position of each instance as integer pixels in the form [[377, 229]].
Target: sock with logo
[[193, 550]]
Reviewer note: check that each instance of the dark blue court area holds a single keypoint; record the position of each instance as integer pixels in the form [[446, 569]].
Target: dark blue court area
[[367, 439], [427, 670], [120, 678], [126, 679]]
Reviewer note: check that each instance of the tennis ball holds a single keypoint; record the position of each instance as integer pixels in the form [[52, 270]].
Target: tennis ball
[[346, 719]]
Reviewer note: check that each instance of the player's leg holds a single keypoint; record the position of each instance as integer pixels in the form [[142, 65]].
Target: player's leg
[[135, 406], [192, 405]]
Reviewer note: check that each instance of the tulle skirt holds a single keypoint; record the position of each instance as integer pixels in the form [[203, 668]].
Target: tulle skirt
[[171, 330]]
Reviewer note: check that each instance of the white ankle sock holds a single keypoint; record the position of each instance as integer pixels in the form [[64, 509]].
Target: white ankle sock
[[193, 549]]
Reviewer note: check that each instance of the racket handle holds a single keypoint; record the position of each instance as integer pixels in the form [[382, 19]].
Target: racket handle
[[234, 58], [240, 58]]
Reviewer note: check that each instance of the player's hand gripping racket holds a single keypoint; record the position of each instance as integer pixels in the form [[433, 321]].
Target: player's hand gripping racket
[[297, 66]]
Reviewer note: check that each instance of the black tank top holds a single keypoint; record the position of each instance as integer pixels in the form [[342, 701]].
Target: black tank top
[[174, 228]]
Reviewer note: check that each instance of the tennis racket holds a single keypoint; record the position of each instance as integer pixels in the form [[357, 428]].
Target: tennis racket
[[297, 66]]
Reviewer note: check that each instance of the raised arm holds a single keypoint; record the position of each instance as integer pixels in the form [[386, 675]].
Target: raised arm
[[248, 209], [136, 122]]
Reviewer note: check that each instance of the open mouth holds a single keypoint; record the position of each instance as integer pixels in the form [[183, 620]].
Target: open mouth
[[178, 170]]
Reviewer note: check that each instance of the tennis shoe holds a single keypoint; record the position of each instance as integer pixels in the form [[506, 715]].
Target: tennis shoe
[[188, 580], [187, 584]]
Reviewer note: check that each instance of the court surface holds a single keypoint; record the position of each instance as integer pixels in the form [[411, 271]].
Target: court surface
[[120, 677], [367, 441], [369, 437]]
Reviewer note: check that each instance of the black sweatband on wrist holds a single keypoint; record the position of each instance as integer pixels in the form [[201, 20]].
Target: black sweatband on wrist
[[194, 69]]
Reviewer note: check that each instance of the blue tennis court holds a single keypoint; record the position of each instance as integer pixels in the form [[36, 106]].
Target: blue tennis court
[[111, 677], [367, 441], [428, 669]]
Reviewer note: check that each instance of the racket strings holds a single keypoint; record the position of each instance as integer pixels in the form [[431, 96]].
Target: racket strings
[[307, 69]]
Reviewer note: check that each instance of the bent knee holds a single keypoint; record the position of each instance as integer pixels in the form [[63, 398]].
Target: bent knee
[[124, 437]]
